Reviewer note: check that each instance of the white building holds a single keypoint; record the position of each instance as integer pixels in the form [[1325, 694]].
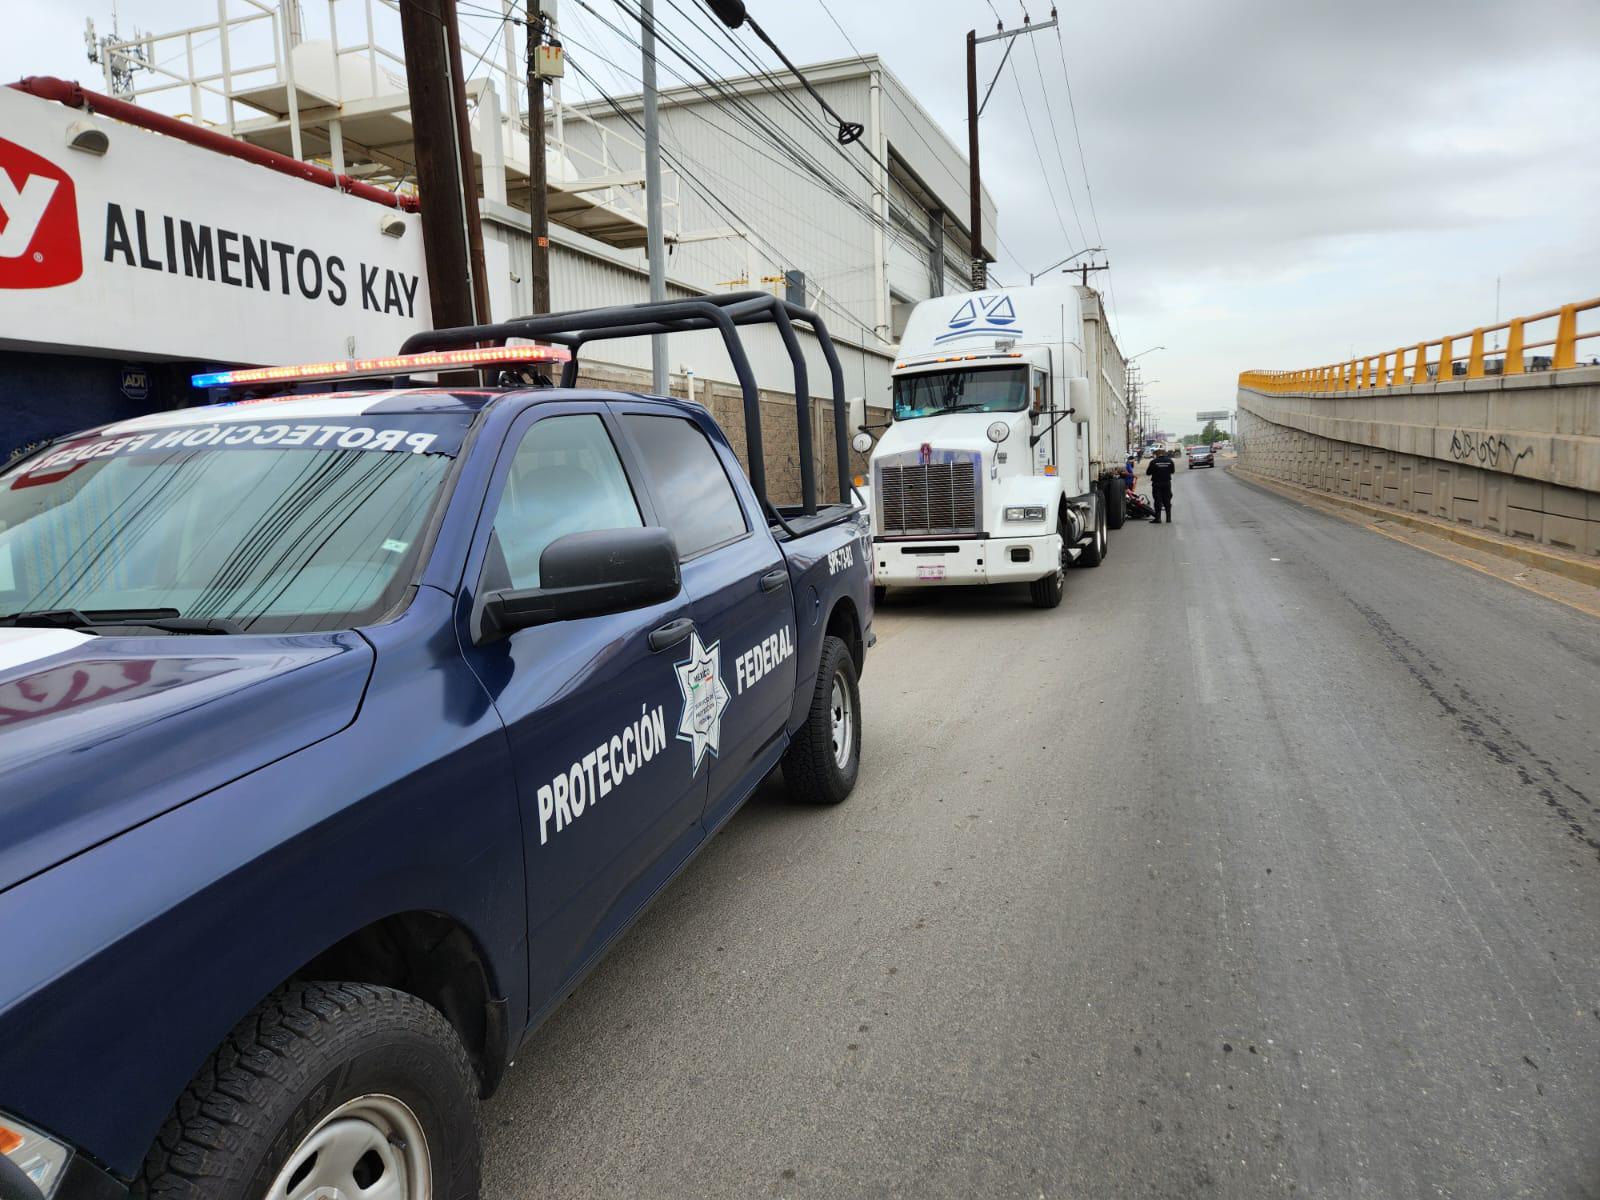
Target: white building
[[757, 193]]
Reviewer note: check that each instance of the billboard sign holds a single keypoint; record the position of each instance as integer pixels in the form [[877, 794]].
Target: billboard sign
[[1220, 415], [168, 250]]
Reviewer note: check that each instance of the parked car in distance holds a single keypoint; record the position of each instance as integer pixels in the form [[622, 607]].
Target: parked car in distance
[[1201, 456]]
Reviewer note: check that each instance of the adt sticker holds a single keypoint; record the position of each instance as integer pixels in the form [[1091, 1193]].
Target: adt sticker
[[705, 697], [135, 383]]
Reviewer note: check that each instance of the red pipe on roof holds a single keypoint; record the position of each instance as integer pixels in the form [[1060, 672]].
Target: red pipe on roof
[[47, 87]]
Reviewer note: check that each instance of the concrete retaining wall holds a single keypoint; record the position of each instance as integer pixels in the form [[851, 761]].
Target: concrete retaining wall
[[1520, 456]]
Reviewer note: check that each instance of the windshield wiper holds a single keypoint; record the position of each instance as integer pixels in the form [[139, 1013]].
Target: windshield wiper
[[168, 619]]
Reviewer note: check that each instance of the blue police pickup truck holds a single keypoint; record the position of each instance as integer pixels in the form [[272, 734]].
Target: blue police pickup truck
[[341, 734]]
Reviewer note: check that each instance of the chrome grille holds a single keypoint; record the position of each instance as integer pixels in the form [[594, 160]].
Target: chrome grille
[[939, 497]]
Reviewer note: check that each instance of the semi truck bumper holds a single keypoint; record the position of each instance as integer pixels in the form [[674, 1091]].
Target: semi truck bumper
[[936, 563]]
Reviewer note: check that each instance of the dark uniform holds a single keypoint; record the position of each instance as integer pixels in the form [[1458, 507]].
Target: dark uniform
[[1160, 471]]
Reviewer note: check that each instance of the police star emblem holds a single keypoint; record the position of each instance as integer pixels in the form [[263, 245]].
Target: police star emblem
[[704, 699]]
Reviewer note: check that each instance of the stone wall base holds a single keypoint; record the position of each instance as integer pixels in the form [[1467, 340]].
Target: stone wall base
[[1546, 513]]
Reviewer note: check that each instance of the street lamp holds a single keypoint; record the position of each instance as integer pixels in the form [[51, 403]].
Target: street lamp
[[1142, 353], [1086, 250]]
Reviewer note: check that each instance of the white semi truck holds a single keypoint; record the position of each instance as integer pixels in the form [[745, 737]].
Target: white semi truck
[[1002, 463]]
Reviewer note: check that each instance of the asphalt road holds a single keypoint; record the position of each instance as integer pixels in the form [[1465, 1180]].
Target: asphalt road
[[1267, 865]]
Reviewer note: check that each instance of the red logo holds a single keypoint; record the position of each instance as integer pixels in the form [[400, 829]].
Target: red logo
[[927, 453], [39, 244]]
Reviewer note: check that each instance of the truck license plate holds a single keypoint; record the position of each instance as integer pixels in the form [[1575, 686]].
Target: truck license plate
[[930, 572]]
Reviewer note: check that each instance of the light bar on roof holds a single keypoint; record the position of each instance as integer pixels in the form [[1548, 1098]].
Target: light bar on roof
[[396, 364]]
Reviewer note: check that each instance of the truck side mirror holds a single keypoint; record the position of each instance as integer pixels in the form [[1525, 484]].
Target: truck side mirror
[[1079, 398], [588, 574], [856, 411], [862, 442]]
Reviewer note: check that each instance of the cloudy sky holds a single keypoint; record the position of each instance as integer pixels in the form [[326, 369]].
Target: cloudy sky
[[1278, 182]]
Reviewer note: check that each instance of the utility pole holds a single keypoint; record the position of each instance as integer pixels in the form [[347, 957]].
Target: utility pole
[[449, 196], [980, 261], [469, 177], [538, 185], [980, 257], [652, 194]]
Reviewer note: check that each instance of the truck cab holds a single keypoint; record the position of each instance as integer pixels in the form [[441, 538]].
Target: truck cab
[[991, 471]]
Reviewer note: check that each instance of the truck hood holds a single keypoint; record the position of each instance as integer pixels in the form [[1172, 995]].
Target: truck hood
[[98, 734], [957, 431]]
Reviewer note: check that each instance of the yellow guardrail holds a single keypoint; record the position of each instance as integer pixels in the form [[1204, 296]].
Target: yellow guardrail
[[1427, 360]]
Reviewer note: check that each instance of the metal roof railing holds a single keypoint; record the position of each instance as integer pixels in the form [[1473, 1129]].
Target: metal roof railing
[[1443, 358]]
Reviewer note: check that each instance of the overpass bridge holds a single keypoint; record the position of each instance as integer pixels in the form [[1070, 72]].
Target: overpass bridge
[[1504, 439]]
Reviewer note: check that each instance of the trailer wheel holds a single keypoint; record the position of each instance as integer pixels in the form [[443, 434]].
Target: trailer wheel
[[1047, 592], [1116, 510], [821, 763], [325, 1089]]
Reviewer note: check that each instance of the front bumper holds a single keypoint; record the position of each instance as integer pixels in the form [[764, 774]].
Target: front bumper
[[941, 562]]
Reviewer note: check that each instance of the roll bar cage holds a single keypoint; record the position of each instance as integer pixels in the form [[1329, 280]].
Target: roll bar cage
[[724, 313]]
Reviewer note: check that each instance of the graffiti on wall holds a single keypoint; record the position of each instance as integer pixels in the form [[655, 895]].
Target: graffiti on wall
[[1486, 450]]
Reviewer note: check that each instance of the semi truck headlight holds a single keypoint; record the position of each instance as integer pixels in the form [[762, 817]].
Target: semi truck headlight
[[36, 1156], [1030, 512]]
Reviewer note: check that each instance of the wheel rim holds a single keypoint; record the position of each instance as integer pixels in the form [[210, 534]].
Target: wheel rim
[[843, 721], [372, 1147]]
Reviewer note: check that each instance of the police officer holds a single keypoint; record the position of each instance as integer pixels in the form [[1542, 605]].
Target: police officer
[[1160, 471]]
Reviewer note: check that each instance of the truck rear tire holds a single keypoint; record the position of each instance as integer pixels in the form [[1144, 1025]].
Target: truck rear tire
[[1115, 509], [324, 1088], [1047, 592], [821, 763]]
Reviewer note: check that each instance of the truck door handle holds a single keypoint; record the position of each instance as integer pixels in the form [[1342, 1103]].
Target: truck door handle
[[773, 580], [670, 634]]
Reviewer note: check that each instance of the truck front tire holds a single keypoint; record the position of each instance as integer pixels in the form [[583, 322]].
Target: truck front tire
[[325, 1087], [821, 763], [1047, 592], [1098, 544]]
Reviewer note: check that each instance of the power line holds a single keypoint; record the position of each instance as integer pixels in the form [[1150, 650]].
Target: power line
[[911, 121], [854, 201], [1044, 172], [743, 113], [758, 123], [1061, 159], [716, 202], [1066, 76]]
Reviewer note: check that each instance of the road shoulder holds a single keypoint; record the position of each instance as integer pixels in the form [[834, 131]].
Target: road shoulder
[[1565, 579]]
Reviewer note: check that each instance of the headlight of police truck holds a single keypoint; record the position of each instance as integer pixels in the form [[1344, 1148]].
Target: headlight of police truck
[[36, 1156], [1030, 512]]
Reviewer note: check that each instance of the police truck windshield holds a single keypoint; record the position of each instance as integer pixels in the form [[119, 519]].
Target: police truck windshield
[[256, 527], [980, 389]]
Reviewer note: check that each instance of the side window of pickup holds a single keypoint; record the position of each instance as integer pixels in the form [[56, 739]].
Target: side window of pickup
[[691, 490], [566, 478]]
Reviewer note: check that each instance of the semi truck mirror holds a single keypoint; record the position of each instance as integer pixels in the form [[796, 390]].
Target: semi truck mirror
[[1079, 398], [862, 442]]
